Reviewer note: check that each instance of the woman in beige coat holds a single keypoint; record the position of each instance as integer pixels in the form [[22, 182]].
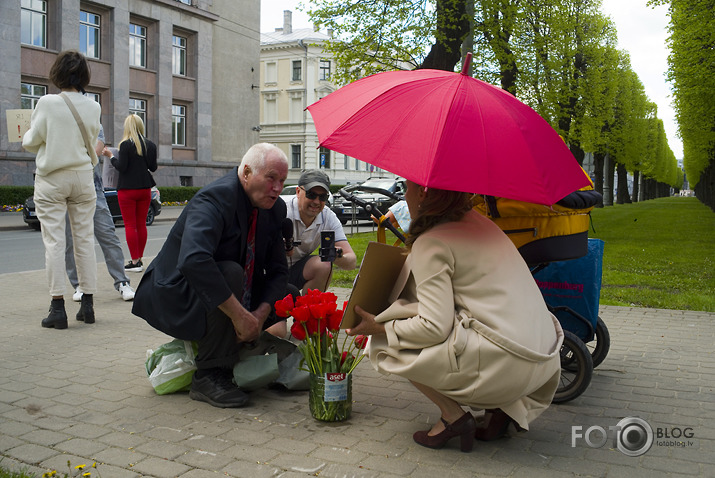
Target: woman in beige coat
[[468, 326]]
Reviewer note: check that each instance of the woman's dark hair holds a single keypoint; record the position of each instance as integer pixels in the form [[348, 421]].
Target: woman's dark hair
[[70, 70], [438, 206]]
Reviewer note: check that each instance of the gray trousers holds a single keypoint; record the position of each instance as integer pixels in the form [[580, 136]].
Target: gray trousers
[[108, 241]]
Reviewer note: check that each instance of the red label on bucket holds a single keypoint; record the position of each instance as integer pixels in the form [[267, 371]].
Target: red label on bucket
[[335, 377]]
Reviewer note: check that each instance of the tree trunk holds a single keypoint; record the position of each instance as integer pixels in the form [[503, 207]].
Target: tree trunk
[[705, 189], [636, 179], [598, 162], [577, 151], [468, 43], [623, 195], [648, 189], [452, 26], [608, 175]]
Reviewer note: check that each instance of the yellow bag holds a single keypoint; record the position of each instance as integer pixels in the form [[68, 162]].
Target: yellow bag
[[543, 233]]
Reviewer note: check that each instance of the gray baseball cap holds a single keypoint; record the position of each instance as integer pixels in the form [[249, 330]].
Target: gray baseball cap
[[310, 179]]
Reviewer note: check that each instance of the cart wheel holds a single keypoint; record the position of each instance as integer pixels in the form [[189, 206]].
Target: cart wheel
[[576, 369], [600, 345]]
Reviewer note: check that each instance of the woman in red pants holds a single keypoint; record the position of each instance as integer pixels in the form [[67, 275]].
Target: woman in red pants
[[137, 157]]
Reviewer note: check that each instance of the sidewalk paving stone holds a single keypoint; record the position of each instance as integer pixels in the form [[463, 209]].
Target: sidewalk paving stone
[[82, 395]]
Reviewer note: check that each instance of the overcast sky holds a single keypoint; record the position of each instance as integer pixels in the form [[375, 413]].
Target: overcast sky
[[642, 31]]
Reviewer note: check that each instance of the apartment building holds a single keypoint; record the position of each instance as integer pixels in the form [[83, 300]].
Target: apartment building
[[296, 72], [187, 67]]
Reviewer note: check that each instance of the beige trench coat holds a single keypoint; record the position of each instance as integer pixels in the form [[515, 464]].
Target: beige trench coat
[[471, 323]]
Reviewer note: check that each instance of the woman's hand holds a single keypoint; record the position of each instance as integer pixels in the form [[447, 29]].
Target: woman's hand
[[106, 152], [367, 324]]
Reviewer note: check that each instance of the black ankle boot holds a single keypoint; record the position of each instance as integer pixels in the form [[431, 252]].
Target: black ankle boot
[[57, 317], [86, 310]]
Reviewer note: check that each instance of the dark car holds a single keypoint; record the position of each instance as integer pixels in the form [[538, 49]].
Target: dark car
[[380, 192], [30, 218]]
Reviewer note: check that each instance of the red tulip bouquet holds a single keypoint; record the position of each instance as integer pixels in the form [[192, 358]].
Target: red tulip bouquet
[[330, 360]]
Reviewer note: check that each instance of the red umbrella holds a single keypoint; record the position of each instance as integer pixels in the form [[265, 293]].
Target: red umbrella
[[449, 131]]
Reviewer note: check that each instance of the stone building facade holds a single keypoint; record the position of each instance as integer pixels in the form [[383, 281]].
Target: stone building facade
[[296, 72], [188, 67]]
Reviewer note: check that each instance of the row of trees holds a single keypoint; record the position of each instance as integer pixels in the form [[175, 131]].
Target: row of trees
[[558, 56], [692, 64]]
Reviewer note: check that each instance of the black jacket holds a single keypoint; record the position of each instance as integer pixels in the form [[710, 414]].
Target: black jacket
[[134, 169], [183, 282]]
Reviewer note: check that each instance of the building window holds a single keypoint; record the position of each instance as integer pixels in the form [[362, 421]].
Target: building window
[[89, 34], [138, 107], [270, 108], [95, 96], [271, 72], [296, 109], [297, 70], [178, 125], [29, 94], [295, 156], [178, 59], [137, 45], [186, 181], [325, 70], [185, 2], [346, 163], [33, 30], [324, 158]]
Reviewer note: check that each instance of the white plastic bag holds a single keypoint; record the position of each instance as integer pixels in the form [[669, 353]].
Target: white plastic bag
[[171, 367]]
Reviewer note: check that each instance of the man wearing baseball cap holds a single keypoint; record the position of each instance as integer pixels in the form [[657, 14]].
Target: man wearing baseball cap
[[310, 218]]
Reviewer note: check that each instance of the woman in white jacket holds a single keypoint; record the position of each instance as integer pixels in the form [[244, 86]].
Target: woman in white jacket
[[64, 182], [469, 327]]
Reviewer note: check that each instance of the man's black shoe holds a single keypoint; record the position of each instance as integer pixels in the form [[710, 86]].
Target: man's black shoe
[[217, 389]]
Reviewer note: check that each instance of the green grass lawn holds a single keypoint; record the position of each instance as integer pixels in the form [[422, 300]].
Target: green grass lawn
[[658, 253]]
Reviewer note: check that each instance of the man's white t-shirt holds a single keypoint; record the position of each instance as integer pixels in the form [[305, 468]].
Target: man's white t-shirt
[[309, 237]]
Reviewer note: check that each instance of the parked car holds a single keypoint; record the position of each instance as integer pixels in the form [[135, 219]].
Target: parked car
[[380, 192], [30, 218]]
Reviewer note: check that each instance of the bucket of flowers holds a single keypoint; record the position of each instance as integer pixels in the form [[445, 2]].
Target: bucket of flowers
[[328, 358]]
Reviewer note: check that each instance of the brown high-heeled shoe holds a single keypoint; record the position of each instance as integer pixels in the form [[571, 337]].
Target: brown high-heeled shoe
[[496, 427], [464, 427]]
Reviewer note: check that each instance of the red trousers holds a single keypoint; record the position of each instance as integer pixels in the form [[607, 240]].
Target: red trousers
[[134, 204]]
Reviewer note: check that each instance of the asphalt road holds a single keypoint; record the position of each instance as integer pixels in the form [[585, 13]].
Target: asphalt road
[[22, 250]]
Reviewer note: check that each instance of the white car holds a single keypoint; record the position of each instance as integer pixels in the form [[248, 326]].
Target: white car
[[288, 193]]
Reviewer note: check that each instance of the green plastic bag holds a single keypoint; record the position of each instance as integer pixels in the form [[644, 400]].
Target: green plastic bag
[[270, 360], [171, 367], [256, 371]]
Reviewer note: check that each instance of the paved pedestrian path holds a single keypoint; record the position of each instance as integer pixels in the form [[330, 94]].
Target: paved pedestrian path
[[82, 395]]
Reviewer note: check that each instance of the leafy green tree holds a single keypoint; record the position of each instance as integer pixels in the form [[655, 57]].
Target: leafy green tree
[[558, 56], [691, 66], [564, 53], [392, 34]]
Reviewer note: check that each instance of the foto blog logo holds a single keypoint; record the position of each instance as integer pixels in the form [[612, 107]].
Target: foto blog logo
[[632, 436]]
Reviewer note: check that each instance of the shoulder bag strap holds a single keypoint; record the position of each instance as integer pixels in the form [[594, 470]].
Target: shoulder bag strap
[[90, 150]]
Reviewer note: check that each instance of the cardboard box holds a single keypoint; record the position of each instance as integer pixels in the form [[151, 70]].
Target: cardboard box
[[380, 268]]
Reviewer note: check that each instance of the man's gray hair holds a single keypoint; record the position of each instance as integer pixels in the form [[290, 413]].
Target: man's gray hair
[[255, 157]]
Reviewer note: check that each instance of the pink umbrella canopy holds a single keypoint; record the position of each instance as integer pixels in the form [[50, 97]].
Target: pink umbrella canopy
[[449, 131]]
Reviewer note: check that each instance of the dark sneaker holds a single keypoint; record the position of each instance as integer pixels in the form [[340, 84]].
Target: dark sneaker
[[134, 266], [216, 388]]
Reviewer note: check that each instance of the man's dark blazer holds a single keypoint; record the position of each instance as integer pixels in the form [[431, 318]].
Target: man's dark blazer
[[183, 282]]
